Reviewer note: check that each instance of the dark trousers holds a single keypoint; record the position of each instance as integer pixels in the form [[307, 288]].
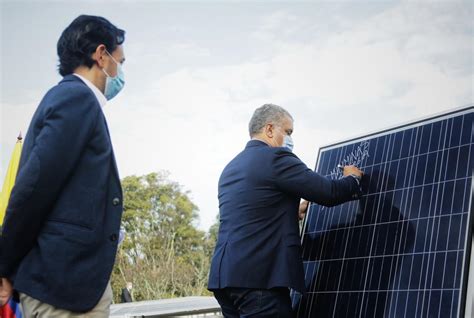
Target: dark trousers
[[247, 302]]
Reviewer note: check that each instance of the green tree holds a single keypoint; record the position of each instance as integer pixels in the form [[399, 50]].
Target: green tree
[[163, 254]]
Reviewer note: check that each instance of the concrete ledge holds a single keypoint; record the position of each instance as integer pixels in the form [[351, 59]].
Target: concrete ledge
[[185, 306]]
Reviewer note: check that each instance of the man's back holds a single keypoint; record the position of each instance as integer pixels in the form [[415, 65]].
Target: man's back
[[258, 251], [259, 192]]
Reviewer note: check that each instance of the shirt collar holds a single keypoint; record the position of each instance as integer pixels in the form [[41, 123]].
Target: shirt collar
[[98, 94]]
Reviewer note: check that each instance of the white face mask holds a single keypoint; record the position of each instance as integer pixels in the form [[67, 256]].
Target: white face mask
[[288, 142]]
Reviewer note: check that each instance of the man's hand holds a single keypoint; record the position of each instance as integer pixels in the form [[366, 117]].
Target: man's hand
[[352, 170], [302, 210], [6, 291]]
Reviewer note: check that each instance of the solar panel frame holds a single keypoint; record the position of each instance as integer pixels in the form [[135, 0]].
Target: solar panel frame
[[466, 272]]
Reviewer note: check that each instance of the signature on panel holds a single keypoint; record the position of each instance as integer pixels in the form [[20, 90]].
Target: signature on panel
[[355, 158]]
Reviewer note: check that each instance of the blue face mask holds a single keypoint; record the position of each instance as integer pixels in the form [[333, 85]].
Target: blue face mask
[[288, 143], [113, 85]]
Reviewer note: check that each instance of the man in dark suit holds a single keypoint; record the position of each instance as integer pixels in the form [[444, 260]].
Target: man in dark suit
[[61, 230], [126, 295], [258, 252]]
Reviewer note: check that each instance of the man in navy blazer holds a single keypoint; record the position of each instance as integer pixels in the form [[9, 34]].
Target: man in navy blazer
[[258, 252], [60, 235]]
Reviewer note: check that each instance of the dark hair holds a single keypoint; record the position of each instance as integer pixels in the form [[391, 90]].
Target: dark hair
[[82, 37]]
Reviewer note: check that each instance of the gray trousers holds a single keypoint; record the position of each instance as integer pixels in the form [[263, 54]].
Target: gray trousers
[[33, 308]]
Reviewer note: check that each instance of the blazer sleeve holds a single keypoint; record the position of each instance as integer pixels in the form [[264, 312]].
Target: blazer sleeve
[[65, 126], [294, 177]]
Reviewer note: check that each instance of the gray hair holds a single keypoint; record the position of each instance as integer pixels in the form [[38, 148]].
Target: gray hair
[[266, 114]]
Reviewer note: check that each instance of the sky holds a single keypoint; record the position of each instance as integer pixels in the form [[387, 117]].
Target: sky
[[195, 71]]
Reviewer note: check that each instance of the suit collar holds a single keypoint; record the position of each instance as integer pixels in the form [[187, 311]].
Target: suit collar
[[78, 78], [71, 78], [256, 143]]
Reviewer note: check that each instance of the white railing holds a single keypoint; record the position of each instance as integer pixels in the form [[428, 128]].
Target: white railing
[[173, 307]]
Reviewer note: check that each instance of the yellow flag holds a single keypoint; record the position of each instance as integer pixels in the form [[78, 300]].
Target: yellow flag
[[10, 178]]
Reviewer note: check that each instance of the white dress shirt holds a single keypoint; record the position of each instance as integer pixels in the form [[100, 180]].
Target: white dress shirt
[[98, 94]]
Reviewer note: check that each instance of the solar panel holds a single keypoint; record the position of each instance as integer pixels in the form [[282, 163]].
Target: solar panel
[[403, 249]]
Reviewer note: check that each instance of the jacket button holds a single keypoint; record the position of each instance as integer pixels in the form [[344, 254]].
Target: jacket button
[[116, 201], [113, 237]]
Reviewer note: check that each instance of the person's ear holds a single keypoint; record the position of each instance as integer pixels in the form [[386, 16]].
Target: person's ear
[[269, 130], [99, 55]]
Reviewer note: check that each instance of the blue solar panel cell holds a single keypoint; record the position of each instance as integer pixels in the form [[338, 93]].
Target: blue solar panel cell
[[402, 249]]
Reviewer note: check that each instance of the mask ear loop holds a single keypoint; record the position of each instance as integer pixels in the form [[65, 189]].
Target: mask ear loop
[[113, 59], [103, 70], [118, 64]]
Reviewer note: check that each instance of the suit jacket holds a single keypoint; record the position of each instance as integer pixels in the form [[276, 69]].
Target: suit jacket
[[62, 224], [258, 243]]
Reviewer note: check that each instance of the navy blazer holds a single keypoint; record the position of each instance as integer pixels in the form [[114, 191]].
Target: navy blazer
[[62, 224], [258, 243]]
